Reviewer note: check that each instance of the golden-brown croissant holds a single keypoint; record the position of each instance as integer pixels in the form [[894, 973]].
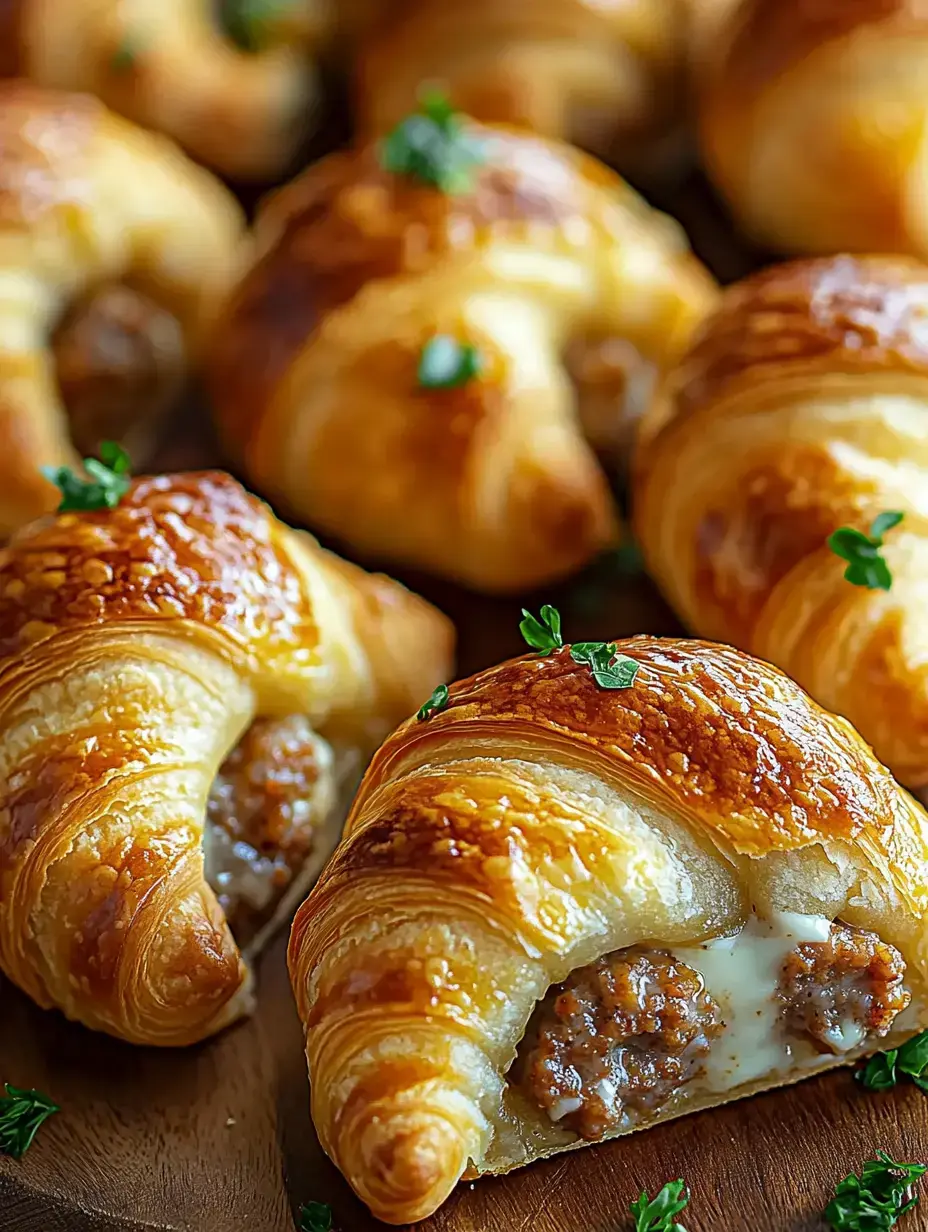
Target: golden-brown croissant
[[562, 912], [610, 77], [137, 645], [813, 124], [88, 202], [239, 94], [801, 409], [416, 363]]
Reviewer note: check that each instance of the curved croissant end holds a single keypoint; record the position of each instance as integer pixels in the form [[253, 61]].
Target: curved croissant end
[[537, 823], [86, 199], [136, 646], [549, 260], [813, 124], [241, 99], [800, 409]]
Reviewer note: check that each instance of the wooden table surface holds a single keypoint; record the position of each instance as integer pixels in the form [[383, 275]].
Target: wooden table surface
[[218, 1138]]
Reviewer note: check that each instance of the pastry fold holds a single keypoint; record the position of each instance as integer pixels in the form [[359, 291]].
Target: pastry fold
[[573, 293], [136, 646], [87, 201], [813, 124], [705, 854], [800, 409]]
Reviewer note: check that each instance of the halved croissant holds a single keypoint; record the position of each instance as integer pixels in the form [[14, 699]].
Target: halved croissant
[[561, 913], [241, 109], [801, 408], [136, 646], [548, 265], [87, 200], [611, 78], [813, 124]]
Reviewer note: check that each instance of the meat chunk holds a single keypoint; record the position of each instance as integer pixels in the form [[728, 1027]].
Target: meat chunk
[[840, 990], [273, 791], [616, 1040]]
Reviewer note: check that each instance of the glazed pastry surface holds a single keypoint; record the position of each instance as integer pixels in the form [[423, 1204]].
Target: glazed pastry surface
[[115, 252], [573, 293], [813, 124], [239, 97], [801, 408], [137, 645], [676, 867]]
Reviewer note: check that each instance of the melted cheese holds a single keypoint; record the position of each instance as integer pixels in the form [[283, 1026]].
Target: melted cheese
[[741, 973]]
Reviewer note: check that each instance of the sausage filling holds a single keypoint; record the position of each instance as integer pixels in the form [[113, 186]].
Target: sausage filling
[[616, 1040], [267, 803], [839, 991]]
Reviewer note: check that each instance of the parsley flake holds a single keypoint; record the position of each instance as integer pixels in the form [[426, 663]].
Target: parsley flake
[[250, 23], [438, 701], [446, 363], [877, 1198], [315, 1217], [909, 1059], [610, 670], [657, 1214], [433, 147], [109, 482], [124, 57], [543, 635], [866, 567], [22, 1114]]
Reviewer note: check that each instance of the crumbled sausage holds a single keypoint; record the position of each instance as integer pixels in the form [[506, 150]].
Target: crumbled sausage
[[616, 1040], [265, 806], [840, 990]]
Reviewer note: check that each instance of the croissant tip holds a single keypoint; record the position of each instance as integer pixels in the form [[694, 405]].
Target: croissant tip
[[410, 1170]]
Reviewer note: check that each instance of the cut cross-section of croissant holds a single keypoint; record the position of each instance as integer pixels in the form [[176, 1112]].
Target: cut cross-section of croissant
[[553, 295], [187, 688], [561, 913]]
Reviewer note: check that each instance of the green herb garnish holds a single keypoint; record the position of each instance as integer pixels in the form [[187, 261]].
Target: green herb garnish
[[22, 1114], [315, 1217], [433, 146], [250, 23], [109, 482], [657, 1214], [877, 1198], [866, 567], [446, 363], [438, 701], [910, 1059], [123, 58], [543, 635], [610, 670]]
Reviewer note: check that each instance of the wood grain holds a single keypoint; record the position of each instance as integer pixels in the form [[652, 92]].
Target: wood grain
[[218, 1138]]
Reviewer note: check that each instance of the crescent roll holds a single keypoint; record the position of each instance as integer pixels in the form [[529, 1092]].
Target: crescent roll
[[801, 409], [178, 673], [233, 82], [115, 253], [813, 124], [610, 77], [557, 293], [562, 912]]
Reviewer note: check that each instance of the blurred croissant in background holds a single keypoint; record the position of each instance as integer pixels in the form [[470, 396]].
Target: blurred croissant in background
[[801, 409], [814, 124], [441, 329], [612, 77], [115, 253], [233, 82]]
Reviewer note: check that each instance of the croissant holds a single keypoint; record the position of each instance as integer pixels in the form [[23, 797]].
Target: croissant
[[813, 124], [563, 912], [801, 410], [88, 201], [239, 94], [417, 360], [181, 671], [612, 78]]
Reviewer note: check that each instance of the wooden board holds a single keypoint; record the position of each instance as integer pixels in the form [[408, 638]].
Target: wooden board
[[218, 1138]]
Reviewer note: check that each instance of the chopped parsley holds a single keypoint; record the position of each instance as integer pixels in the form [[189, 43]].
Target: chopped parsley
[[877, 1198], [22, 1114], [657, 1214], [608, 668], [438, 701], [315, 1217], [446, 363], [433, 146], [109, 481], [865, 566], [882, 1071]]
